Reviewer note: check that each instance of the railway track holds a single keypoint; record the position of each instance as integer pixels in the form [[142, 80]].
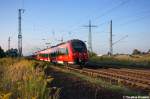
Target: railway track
[[139, 74], [136, 79]]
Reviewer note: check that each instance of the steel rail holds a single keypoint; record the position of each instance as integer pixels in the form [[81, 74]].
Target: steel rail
[[114, 77]]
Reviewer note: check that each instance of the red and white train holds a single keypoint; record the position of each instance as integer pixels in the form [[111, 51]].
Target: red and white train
[[70, 52]]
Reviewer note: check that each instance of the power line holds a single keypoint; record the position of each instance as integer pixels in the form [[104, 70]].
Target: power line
[[108, 11], [136, 14], [134, 20], [119, 40], [90, 35], [112, 9]]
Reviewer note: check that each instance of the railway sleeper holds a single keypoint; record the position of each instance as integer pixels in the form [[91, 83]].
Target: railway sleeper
[[126, 77], [115, 79], [133, 79], [130, 73], [132, 84], [136, 85], [114, 82]]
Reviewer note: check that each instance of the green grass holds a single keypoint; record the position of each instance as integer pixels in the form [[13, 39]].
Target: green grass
[[24, 79], [132, 61]]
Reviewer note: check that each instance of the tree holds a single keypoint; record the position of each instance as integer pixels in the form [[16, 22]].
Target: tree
[[136, 51], [148, 51], [12, 52], [2, 53]]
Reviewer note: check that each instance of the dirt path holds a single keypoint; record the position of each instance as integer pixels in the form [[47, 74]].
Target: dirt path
[[73, 87]]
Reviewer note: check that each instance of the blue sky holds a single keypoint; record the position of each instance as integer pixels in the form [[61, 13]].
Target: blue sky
[[53, 19]]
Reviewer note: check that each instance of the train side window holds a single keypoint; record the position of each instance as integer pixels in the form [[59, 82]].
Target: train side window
[[57, 53], [61, 51], [52, 54], [67, 51], [46, 55]]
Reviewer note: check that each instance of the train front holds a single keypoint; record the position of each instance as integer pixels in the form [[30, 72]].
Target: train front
[[79, 51]]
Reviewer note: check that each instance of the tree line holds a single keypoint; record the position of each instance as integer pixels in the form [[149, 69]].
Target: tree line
[[9, 53], [136, 51]]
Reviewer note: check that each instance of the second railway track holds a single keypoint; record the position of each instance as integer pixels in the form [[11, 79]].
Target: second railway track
[[137, 79]]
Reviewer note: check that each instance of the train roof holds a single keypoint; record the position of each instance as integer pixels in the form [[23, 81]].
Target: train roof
[[68, 41], [58, 45]]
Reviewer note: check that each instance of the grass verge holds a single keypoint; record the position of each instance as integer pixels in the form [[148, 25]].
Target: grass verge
[[122, 61], [23, 79]]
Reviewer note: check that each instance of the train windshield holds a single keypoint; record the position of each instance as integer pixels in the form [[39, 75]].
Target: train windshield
[[78, 46]]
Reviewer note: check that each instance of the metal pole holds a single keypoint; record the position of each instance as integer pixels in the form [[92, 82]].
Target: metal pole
[[90, 35], [19, 32], [9, 43], [111, 45]]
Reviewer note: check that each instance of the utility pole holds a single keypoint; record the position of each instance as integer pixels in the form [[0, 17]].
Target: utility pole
[[9, 43], [62, 39], [20, 11], [90, 35], [111, 44]]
